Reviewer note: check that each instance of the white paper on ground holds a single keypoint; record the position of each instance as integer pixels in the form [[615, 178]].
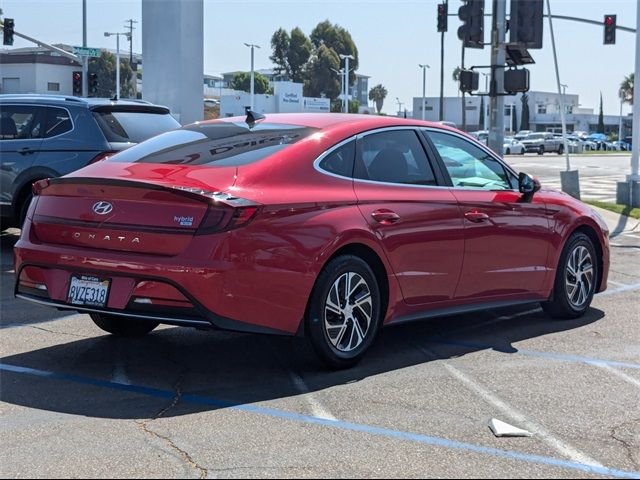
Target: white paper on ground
[[502, 429]]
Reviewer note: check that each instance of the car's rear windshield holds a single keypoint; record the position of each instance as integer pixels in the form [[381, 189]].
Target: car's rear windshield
[[219, 144], [134, 127]]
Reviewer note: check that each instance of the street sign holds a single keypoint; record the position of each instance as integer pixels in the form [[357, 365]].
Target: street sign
[[86, 51]]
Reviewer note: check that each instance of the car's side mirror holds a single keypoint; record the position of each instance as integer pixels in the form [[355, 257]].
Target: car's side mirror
[[527, 184]]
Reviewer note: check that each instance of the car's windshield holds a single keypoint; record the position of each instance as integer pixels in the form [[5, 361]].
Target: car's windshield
[[535, 136]]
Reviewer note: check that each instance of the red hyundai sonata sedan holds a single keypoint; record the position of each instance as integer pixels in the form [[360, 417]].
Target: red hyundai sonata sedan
[[325, 226]]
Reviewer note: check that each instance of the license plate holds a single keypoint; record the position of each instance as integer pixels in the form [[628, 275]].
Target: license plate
[[88, 290]]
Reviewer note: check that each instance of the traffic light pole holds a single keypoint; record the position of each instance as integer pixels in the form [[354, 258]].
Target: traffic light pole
[[498, 59], [85, 60]]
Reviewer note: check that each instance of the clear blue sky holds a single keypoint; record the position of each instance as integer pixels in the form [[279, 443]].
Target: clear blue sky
[[392, 36]]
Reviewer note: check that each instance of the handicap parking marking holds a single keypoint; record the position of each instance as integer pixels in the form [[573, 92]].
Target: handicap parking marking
[[346, 426]]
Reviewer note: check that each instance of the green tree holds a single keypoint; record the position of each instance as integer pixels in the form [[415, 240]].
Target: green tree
[[242, 81], [321, 79], [290, 53], [378, 95], [339, 40], [280, 42], [524, 116], [104, 67], [626, 89], [600, 128], [298, 55]]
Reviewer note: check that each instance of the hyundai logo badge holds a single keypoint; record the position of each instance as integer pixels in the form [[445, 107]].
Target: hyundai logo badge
[[102, 208]]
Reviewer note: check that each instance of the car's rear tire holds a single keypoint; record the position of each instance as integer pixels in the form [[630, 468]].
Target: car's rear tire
[[508, 152], [560, 149], [522, 151], [541, 151], [576, 279], [123, 326], [25, 201], [344, 312]]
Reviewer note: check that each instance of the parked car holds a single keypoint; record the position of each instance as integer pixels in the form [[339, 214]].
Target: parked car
[[543, 142], [513, 146], [599, 139], [448, 124], [318, 225], [211, 102], [44, 136], [522, 134], [481, 135]]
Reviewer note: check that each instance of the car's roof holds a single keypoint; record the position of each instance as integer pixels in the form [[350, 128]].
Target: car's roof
[[328, 120], [69, 100]]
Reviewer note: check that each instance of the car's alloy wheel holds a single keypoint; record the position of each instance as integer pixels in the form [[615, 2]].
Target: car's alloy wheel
[[576, 279], [347, 312], [344, 311], [579, 276]]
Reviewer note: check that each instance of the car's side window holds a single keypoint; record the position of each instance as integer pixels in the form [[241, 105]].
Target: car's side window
[[394, 156], [58, 122], [468, 165], [20, 122], [340, 160]]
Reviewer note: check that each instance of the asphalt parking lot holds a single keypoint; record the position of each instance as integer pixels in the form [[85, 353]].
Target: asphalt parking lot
[[182, 403]]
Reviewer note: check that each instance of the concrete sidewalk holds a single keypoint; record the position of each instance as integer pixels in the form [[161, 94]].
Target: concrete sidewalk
[[617, 223]]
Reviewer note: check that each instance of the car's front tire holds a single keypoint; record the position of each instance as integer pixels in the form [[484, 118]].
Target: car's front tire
[[541, 151], [123, 326], [576, 279], [344, 312], [508, 152], [560, 149]]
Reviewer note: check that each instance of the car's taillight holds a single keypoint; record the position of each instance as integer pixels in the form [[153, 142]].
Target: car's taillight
[[39, 186], [101, 156], [225, 212]]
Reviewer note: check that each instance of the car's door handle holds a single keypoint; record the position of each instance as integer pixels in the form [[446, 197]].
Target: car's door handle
[[25, 151], [476, 217], [385, 217]]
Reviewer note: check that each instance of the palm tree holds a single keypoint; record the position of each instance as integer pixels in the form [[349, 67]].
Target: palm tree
[[626, 89], [378, 94]]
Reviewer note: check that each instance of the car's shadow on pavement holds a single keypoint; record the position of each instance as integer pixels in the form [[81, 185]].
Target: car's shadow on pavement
[[224, 369]]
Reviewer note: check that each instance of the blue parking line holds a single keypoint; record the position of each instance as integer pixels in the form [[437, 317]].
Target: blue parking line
[[534, 353], [347, 426]]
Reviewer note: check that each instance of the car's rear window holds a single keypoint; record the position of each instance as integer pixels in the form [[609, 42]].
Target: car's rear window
[[219, 144], [133, 127]]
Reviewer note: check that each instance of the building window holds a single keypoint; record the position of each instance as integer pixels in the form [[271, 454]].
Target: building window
[[471, 108], [542, 109], [568, 109], [53, 87]]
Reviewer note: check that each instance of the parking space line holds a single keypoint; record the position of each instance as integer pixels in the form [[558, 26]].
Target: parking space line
[[533, 353], [317, 409], [619, 374], [626, 288], [558, 445], [353, 427]]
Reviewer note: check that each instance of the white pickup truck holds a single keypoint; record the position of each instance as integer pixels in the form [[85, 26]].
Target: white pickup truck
[[541, 142]]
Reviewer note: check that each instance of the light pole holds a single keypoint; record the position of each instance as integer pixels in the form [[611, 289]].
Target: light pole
[[399, 106], [125, 34], [424, 87], [486, 89], [252, 46], [341, 73], [85, 60], [345, 100], [564, 89]]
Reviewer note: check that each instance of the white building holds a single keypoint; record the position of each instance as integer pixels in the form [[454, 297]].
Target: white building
[[544, 113]]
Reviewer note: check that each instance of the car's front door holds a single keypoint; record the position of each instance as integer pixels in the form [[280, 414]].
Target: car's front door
[[507, 236], [418, 222]]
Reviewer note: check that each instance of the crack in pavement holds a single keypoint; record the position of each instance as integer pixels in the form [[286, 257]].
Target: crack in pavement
[[629, 441], [144, 425], [57, 332]]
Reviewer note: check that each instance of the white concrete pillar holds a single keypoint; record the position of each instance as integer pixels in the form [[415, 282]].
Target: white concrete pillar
[[173, 56]]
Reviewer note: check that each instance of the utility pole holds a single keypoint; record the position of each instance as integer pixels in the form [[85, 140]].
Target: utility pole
[[252, 47], [131, 28], [441, 115], [498, 59], [345, 100], [85, 60], [464, 101]]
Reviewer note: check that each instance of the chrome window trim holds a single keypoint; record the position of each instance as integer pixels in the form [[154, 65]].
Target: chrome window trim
[[360, 136], [73, 124], [486, 149]]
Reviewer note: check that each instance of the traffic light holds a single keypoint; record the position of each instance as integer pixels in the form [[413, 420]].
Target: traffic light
[[443, 9], [516, 80], [472, 30], [7, 31], [525, 23], [93, 84], [77, 84], [469, 80], [610, 29]]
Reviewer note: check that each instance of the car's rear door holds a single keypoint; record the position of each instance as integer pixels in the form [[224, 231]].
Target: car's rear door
[[417, 220], [507, 237]]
